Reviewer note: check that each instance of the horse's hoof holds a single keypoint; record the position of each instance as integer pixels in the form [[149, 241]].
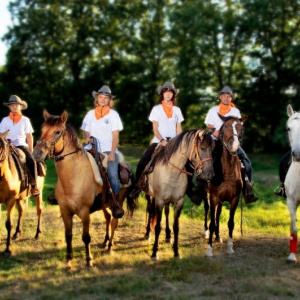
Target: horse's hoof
[[68, 266], [290, 261], [154, 257], [146, 237], [89, 264], [218, 241], [102, 246], [168, 240], [7, 254], [177, 256], [16, 236], [205, 235], [37, 236]]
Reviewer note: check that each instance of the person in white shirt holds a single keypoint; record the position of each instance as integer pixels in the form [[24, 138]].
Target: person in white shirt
[[166, 120], [20, 134], [104, 124], [227, 108]]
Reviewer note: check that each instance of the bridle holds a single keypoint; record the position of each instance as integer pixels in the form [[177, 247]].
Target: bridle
[[195, 151], [50, 149]]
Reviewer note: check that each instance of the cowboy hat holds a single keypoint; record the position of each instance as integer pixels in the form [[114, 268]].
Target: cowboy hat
[[105, 90], [227, 90], [167, 85], [14, 99]]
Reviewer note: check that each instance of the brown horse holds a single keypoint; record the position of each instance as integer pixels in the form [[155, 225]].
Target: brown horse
[[231, 186], [12, 194], [77, 191], [167, 182]]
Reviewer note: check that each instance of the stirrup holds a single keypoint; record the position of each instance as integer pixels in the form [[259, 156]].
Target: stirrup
[[280, 191]]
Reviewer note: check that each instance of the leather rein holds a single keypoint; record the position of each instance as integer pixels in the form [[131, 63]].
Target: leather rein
[[196, 151], [50, 149]]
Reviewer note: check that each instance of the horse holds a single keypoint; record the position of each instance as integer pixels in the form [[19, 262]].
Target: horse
[[167, 182], [12, 192], [77, 191], [291, 182], [231, 186]]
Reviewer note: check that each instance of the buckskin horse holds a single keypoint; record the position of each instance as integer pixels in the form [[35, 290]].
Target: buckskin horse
[[231, 186], [291, 183], [167, 182], [12, 192], [77, 191]]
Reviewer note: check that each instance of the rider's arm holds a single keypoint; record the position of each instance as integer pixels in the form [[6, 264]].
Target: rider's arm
[[178, 128], [115, 142], [29, 139], [216, 133], [157, 134], [86, 136]]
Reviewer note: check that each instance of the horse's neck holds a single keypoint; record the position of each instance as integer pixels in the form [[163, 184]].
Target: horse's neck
[[230, 163]]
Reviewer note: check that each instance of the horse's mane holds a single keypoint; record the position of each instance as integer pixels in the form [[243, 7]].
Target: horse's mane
[[57, 121], [3, 150], [185, 136]]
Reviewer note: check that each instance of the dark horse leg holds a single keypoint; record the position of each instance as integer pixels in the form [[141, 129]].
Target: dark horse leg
[[86, 238], [177, 211], [157, 233], [217, 229], [212, 227], [107, 217], [206, 210], [168, 230], [68, 222], [233, 206], [151, 221], [20, 207], [8, 225]]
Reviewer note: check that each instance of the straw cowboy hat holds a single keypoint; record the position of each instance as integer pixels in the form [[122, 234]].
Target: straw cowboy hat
[[105, 90], [167, 85], [14, 99], [227, 90]]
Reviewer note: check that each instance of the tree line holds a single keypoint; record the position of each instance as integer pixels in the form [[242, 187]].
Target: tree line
[[62, 50]]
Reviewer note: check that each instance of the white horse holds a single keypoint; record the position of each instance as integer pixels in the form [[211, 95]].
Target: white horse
[[292, 186]]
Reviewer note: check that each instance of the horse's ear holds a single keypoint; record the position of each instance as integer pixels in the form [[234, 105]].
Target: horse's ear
[[209, 130], [223, 118], [290, 111], [64, 116], [46, 115], [243, 118], [4, 134]]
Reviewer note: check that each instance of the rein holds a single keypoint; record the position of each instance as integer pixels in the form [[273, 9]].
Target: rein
[[52, 145], [196, 151]]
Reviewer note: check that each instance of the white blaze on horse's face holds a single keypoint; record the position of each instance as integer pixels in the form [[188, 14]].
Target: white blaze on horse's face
[[236, 143], [293, 127]]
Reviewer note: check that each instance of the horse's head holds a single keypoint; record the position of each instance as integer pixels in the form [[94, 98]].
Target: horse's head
[[293, 128], [51, 140], [201, 154], [231, 132]]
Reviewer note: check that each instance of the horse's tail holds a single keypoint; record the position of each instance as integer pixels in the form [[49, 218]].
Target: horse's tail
[[132, 203]]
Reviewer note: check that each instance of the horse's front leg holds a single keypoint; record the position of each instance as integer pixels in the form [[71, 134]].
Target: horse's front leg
[[154, 255], [39, 211], [86, 238], [205, 233], [68, 222], [217, 229], [168, 230], [177, 211], [20, 208], [9, 225], [150, 210], [292, 207], [233, 206], [212, 227]]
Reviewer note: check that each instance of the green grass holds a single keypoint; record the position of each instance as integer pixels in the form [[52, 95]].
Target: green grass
[[256, 271]]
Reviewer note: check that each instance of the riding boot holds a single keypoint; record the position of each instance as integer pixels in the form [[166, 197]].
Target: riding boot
[[135, 193], [280, 190], [117, 210], [248, 192]]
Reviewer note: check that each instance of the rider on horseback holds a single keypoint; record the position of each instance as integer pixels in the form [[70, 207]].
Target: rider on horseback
[[227, 108], [20, 134]]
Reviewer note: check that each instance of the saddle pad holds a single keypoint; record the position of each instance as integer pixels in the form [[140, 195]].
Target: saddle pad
[[95, 168]]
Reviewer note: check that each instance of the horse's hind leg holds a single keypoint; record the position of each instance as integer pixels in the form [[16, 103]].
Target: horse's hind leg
[[233, 206], [107, 217], [148, 214], [20, 208], [293, 229], [168, 230], [39, 210], [206, 210], [217, 229]]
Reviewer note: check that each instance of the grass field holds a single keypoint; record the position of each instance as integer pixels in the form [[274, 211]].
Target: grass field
[[257, 270]]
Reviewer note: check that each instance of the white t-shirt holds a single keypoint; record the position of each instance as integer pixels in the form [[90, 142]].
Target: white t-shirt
[[166, 126], [17, 132], [102, 129], [213, 118]]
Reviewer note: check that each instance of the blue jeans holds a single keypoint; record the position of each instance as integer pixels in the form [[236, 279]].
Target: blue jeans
[[246, 162], [113, 175]]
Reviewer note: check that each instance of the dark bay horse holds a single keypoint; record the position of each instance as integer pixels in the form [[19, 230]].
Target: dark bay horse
[[231, 186], [11, 193], [77, 191], [167, 182]]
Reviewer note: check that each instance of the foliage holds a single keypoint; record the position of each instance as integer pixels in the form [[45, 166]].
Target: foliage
[[60, 51]]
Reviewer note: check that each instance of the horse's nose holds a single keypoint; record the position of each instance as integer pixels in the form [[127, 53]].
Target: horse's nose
[[296, 156]]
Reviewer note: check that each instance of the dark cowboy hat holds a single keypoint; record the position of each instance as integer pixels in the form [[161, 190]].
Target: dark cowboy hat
[[105, 90], [14, 99], [227, 90], [167, 85]]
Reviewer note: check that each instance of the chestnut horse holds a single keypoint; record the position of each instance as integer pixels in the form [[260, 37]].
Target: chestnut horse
[[231, 186], [291, 183], [167, 183], [12, 194], [77, 191]]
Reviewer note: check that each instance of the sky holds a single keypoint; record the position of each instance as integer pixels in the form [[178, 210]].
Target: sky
[[5, 21]]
